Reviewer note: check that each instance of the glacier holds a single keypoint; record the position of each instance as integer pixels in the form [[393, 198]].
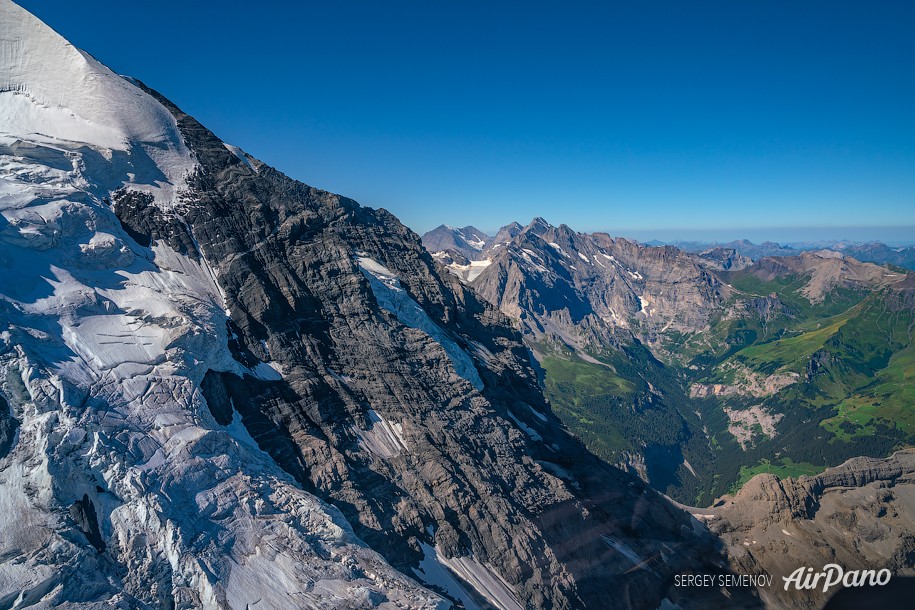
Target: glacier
[[103, 345]]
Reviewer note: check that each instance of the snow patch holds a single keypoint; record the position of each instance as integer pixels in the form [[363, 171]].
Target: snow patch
[[268, 371], [644, 302], [241, 155], [471, 271], [527, 429], [436, 569], [383, 438], [626, 551], [558, 248], [392, 297]]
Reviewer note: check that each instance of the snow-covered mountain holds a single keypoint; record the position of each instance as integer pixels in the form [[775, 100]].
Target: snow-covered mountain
[[103, 345], [467, 242], [222, 388]]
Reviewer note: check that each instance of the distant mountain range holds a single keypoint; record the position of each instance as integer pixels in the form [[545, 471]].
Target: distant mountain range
[[696, 368], [868, 252], [471, 243]]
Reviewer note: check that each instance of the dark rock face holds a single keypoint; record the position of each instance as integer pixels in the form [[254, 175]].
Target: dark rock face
[[146, 223], [818, 364], [83, 512], [769, 307], [8, 427], [217, 397], [473, 472]]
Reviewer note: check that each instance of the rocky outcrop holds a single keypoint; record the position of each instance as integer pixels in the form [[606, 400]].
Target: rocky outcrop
[[725, 259], [83, 513], [860, 515], [825, 271], [8, 426]]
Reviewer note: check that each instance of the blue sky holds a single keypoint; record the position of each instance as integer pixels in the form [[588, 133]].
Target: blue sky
[[726, 119]]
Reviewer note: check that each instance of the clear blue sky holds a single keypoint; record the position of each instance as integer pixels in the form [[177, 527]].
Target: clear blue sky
[[633, 117]]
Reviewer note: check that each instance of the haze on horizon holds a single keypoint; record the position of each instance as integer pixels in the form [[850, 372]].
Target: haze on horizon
[[760, 120], [891, 236]]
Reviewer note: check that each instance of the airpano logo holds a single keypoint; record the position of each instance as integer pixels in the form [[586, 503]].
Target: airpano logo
[[833, 574]]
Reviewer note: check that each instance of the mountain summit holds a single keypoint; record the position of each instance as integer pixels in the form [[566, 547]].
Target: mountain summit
[[223, 388]]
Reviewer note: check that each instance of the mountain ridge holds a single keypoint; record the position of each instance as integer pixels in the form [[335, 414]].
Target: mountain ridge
[[227, 387], [713, 335]]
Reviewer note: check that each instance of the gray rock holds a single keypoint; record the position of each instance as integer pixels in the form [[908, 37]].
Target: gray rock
[[83, 512], [469, 478]]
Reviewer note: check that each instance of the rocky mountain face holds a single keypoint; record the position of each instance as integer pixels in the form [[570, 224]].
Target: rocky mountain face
[[223, 388], [681, 367], [860, 515], [582, 287]]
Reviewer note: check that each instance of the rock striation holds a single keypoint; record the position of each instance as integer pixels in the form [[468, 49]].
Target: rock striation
[[228, 389], [860, 515]]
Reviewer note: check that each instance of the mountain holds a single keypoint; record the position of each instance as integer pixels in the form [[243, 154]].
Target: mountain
[[698, 370], [468, 242], [871, 252], [742, 246], [223, 388], [880, 253], [858, 515], [466, 252]]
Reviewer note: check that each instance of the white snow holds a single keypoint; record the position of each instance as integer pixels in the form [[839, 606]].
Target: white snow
[[110, 340], [644, 302], [392, 297], [560, 472], [527, 429], [242, 156], [104, 345], [432, 572], [584, 258], [53, 93], [471, 271], [533, 260], [383, 438], [485, 580], [558, 248], [436, 569], [268, 371], [536, 413]]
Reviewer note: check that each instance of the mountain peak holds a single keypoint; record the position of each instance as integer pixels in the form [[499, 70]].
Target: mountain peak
[[537, 226], [63, 91], [53, 93]]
